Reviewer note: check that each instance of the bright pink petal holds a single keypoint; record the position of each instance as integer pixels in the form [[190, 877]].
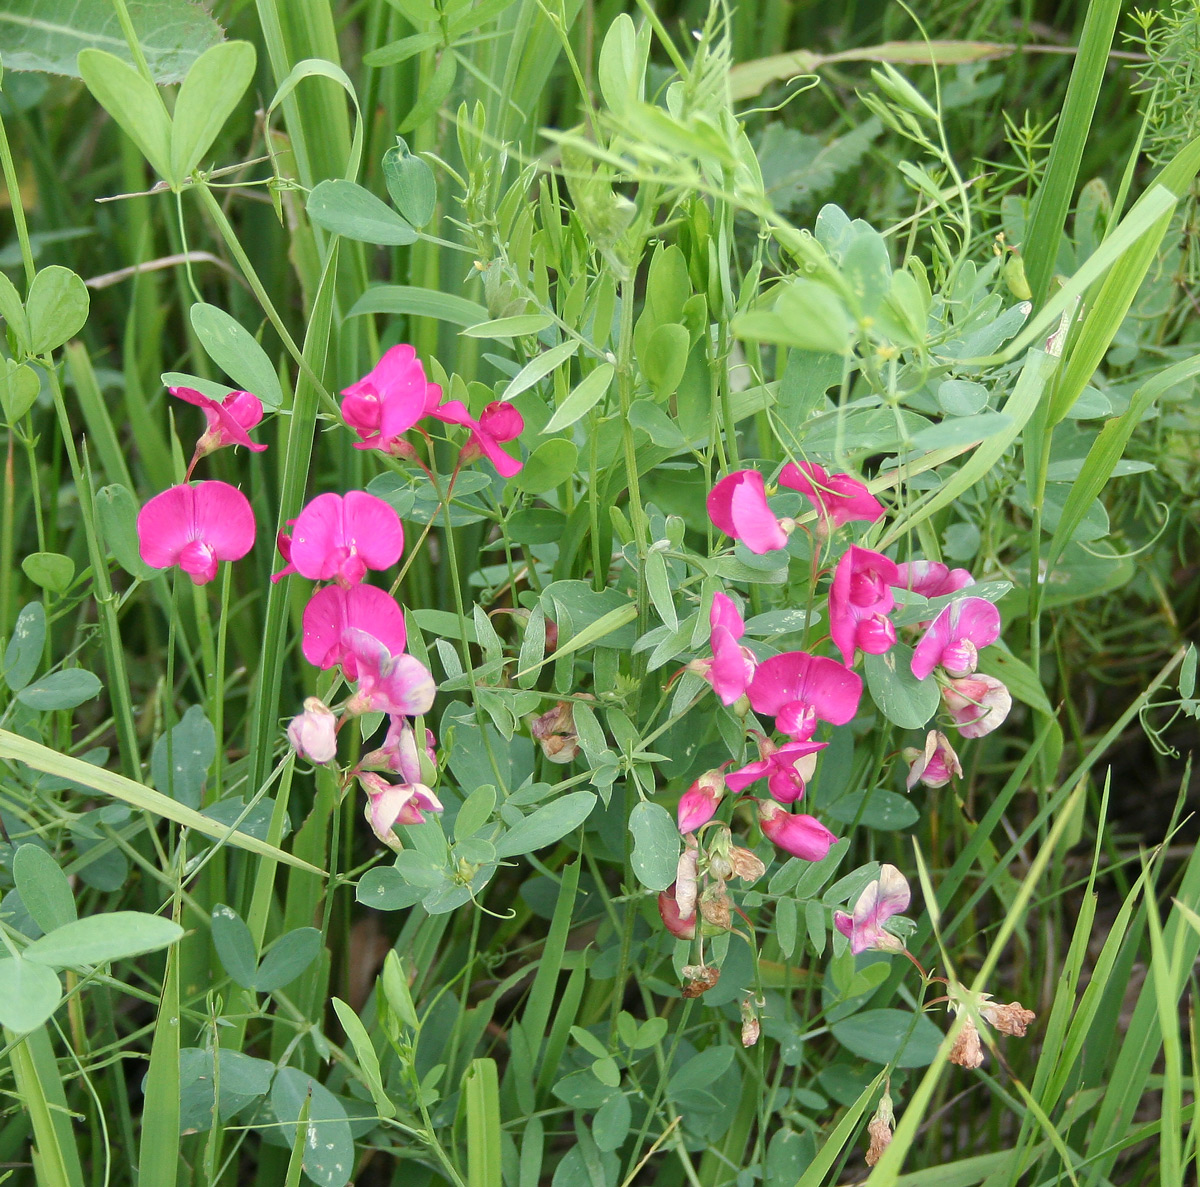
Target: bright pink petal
[[737, 505], [931, 579], [165, 525], [373, 529], [333, 610], [224, 520], [731, 669], [501, 421], [838, 497], [974, 621], [860, 598], [724, 613], [830, 688], [801, 836]]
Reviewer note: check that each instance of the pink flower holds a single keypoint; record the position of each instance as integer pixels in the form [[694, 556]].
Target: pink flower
[[888, 895], [737, 505], [387, 682], [313, 734], [934, 766], [339, 539], [400, 753], [799, 689], [497, 423], [978, 703], [682, 927], [333, 611], [931, 579], [194, 527], [860, 600], [698, 804], [732, 666], [228, 419], [283, 541], [954, 638], [389, 400], [786, 768], [801, 836], [389, 804], [838, 498]]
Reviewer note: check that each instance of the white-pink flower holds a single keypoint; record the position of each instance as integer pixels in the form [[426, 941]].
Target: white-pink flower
[[888, 895]]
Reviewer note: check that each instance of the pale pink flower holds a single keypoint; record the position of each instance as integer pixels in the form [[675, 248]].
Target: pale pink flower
[[400, 752], [786, 768], [554, 732], [737, 505], [194, 527], [387, 683], [333, 611], [313, 734], [339, 538], [389, 804], [934, 766], [860, 599], [888, 895], [799, 835], [228, 419], [799, 689], [497, 423], [955, 637], [978, 704], [837, 498], [389, 400], [698, 804], [682, 927]]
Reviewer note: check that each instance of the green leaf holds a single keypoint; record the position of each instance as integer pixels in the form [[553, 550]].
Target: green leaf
[[385, 889], [885, 809], [133, 103], [235, 350], [963, 430], [117, 512], [549, 466], [701, 1070], [191, 750], [212, 90], [364, 1052], [655, 845], [581, 1090], [433, 93], [234, 945], [665, 358], [1187, 673], [539, 367], [411, 184], [347, 209], [586, 395], [99, 939], [408, 300], [47, 35], [806, 316], [882, 1036], [786, 921], [396, 52], [19, 387], [12, 309], [476, 811], [43, 887], [902, 698], [57, 308], [243, 1079], [611, 1122], [327, 1140], [547, 824], [290, 955], [29, 994], [23, 655], [61, 690], [510, 327], [49, 570]]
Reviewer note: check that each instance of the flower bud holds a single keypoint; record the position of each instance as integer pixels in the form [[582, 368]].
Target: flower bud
[[313, 734], [800, 835], [698, 804], [934, 766], [682, 927]]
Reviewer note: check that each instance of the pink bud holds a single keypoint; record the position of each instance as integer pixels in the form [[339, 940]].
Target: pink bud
[[801, 836], [737, 505], [978, 703], [680, 926], [313, 734], [698, 804]]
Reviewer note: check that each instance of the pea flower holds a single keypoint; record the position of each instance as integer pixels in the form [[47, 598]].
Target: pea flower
[[799, 689], [879, 1128], [786, 768], [931, 579], [799, 835], [401, 754], [737, 505], [888, 895], [194, 527], [389, 400], [860, 599], [731, 667], [333, 611], [497, 423], [554, 731], [934, 766], [387, 683], [313, 734], [389, 804], [837, 498], [339, 538], [1011, 1019], [682, 927], [228, 419], [955, 637], [698, 804], [978, 704]]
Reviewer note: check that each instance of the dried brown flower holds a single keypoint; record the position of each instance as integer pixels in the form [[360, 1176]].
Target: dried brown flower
[[967, 1050], [1012, 1019]]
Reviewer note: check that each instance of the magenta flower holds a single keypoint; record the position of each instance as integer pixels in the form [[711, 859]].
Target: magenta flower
[[389, 400], [283, 541], [837, 498], [387, 683], [731, 667], [860, 600], [333, 611], [400, 753], [799, 689], [737, 505], [800, 835], [931, 579], [194, 527], [389, 804], [888, 895], [954, 638], [698, 804], [977, 703], [497, 423], [786, 768], [313, 734], [339, 539], [228, 419]]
